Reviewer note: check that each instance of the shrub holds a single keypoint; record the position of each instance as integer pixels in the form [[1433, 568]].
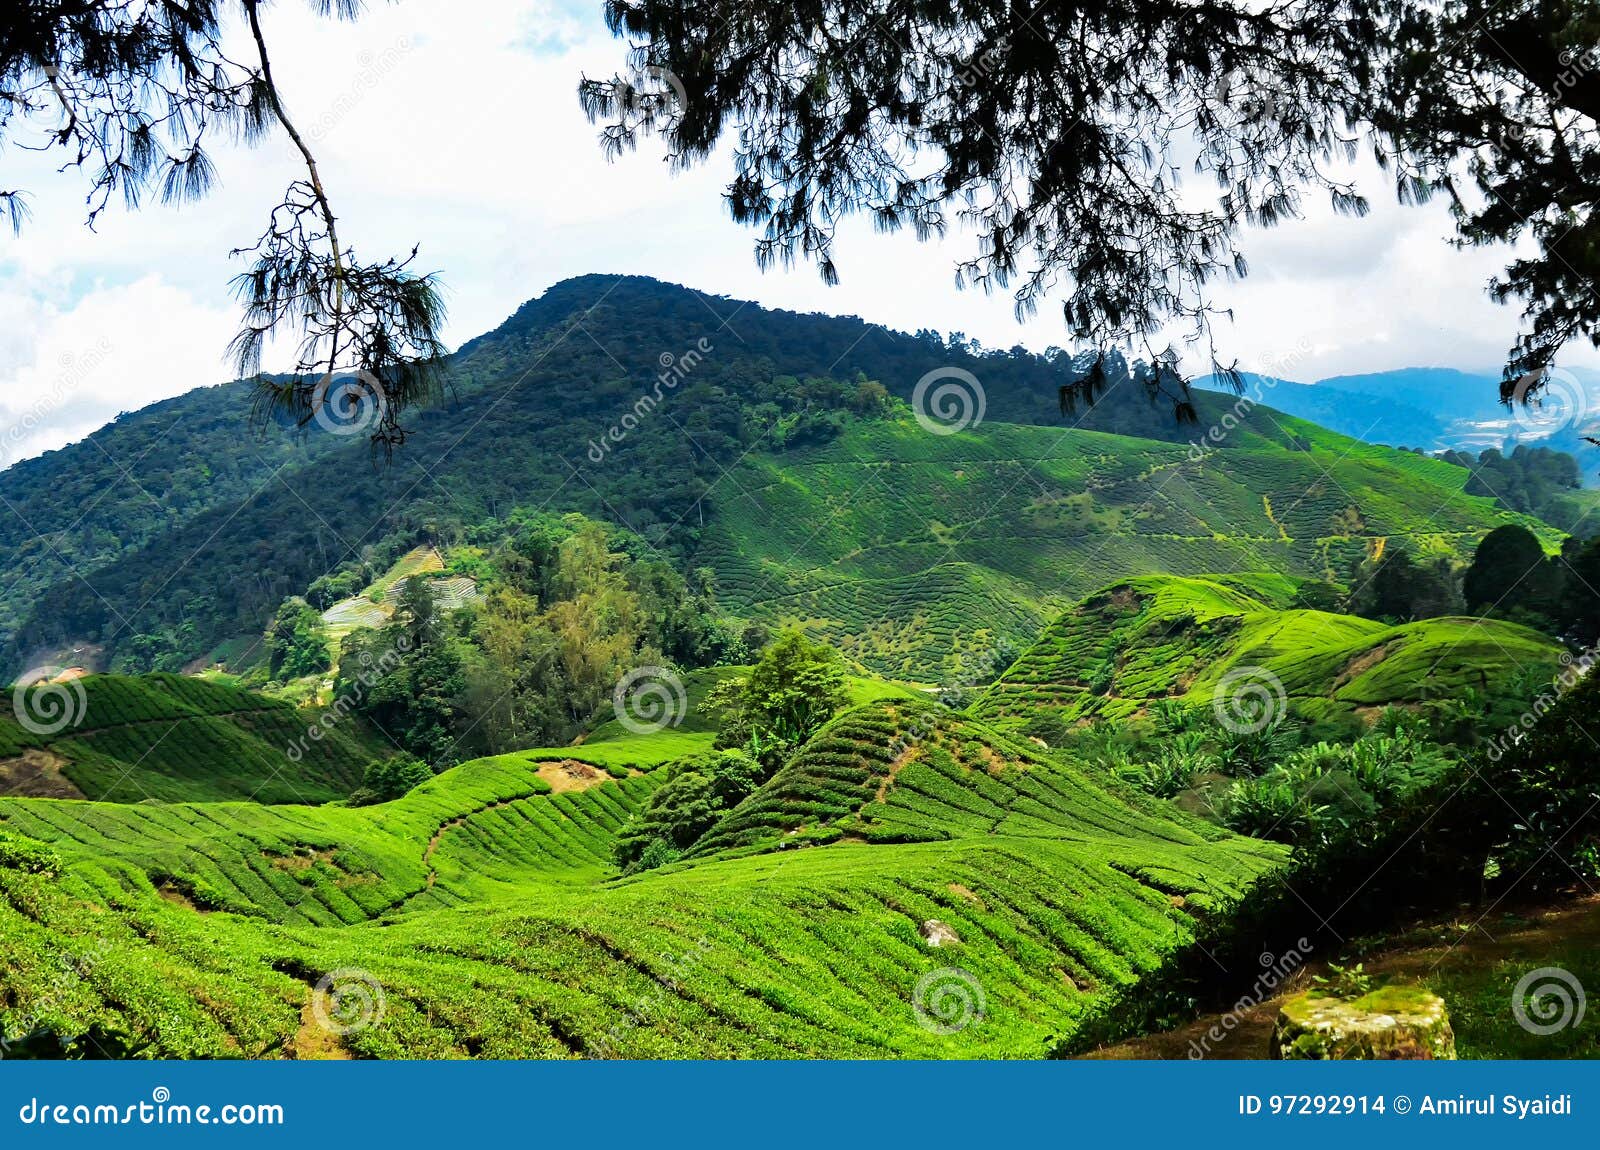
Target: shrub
[[390, 778], [699, 790], [27, 855]]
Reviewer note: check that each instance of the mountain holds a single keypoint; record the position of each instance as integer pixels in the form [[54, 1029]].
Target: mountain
[[1440, 408], [723, 435]]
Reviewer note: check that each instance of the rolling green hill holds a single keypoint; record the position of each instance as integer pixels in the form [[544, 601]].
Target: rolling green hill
[[1159, 637], [170, 738], [930, 556], [485, 909], [927, 556]]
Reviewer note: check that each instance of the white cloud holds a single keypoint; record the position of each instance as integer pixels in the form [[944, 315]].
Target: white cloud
[[460, 128], [85, 363]]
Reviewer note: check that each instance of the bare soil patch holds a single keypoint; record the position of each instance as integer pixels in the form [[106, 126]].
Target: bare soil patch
[[36, 774]]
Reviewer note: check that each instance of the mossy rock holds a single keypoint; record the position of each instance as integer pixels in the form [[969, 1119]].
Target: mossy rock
[[1391, 1022]]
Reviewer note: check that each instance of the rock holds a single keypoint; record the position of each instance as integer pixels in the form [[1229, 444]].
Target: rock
[[936, 933], [1390, 1022]]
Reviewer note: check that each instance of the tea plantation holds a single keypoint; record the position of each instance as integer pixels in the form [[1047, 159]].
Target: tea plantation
[[1162, 637], [917, 554], [171, 737], [487, 908]]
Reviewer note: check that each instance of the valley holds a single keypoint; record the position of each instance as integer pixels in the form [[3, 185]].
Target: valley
[[792, 728]]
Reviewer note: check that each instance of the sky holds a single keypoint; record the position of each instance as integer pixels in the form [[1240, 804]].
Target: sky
[[457, 126]]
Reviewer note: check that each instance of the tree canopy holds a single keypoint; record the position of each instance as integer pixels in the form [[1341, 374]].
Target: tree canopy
[[1062, 133], [130, 92]]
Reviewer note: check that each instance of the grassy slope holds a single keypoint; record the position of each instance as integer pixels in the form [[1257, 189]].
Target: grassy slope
[[902, 547], [174, 738], [1162, 636], [488, 909]]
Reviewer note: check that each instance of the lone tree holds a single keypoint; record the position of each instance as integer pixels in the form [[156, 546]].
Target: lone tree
[[130, 92], [1061, 131]]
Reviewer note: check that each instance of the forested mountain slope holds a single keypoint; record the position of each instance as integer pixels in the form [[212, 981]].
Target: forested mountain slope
[[759, 453]]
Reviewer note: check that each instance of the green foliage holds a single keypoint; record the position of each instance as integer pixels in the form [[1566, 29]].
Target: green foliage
[[390, 778], [1509, 569], [1344, 982], [900, 594], [1174, 641], [174, 738], [27, 856], [790, 693], [296, 642], [698, 792]]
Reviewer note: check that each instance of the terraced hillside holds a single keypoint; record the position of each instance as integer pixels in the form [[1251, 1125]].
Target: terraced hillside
[[923, 555], [483, 912], [170, 738], [1160, 637]]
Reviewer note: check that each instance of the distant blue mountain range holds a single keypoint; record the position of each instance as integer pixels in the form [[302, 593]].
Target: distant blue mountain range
[[1435, 408]]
